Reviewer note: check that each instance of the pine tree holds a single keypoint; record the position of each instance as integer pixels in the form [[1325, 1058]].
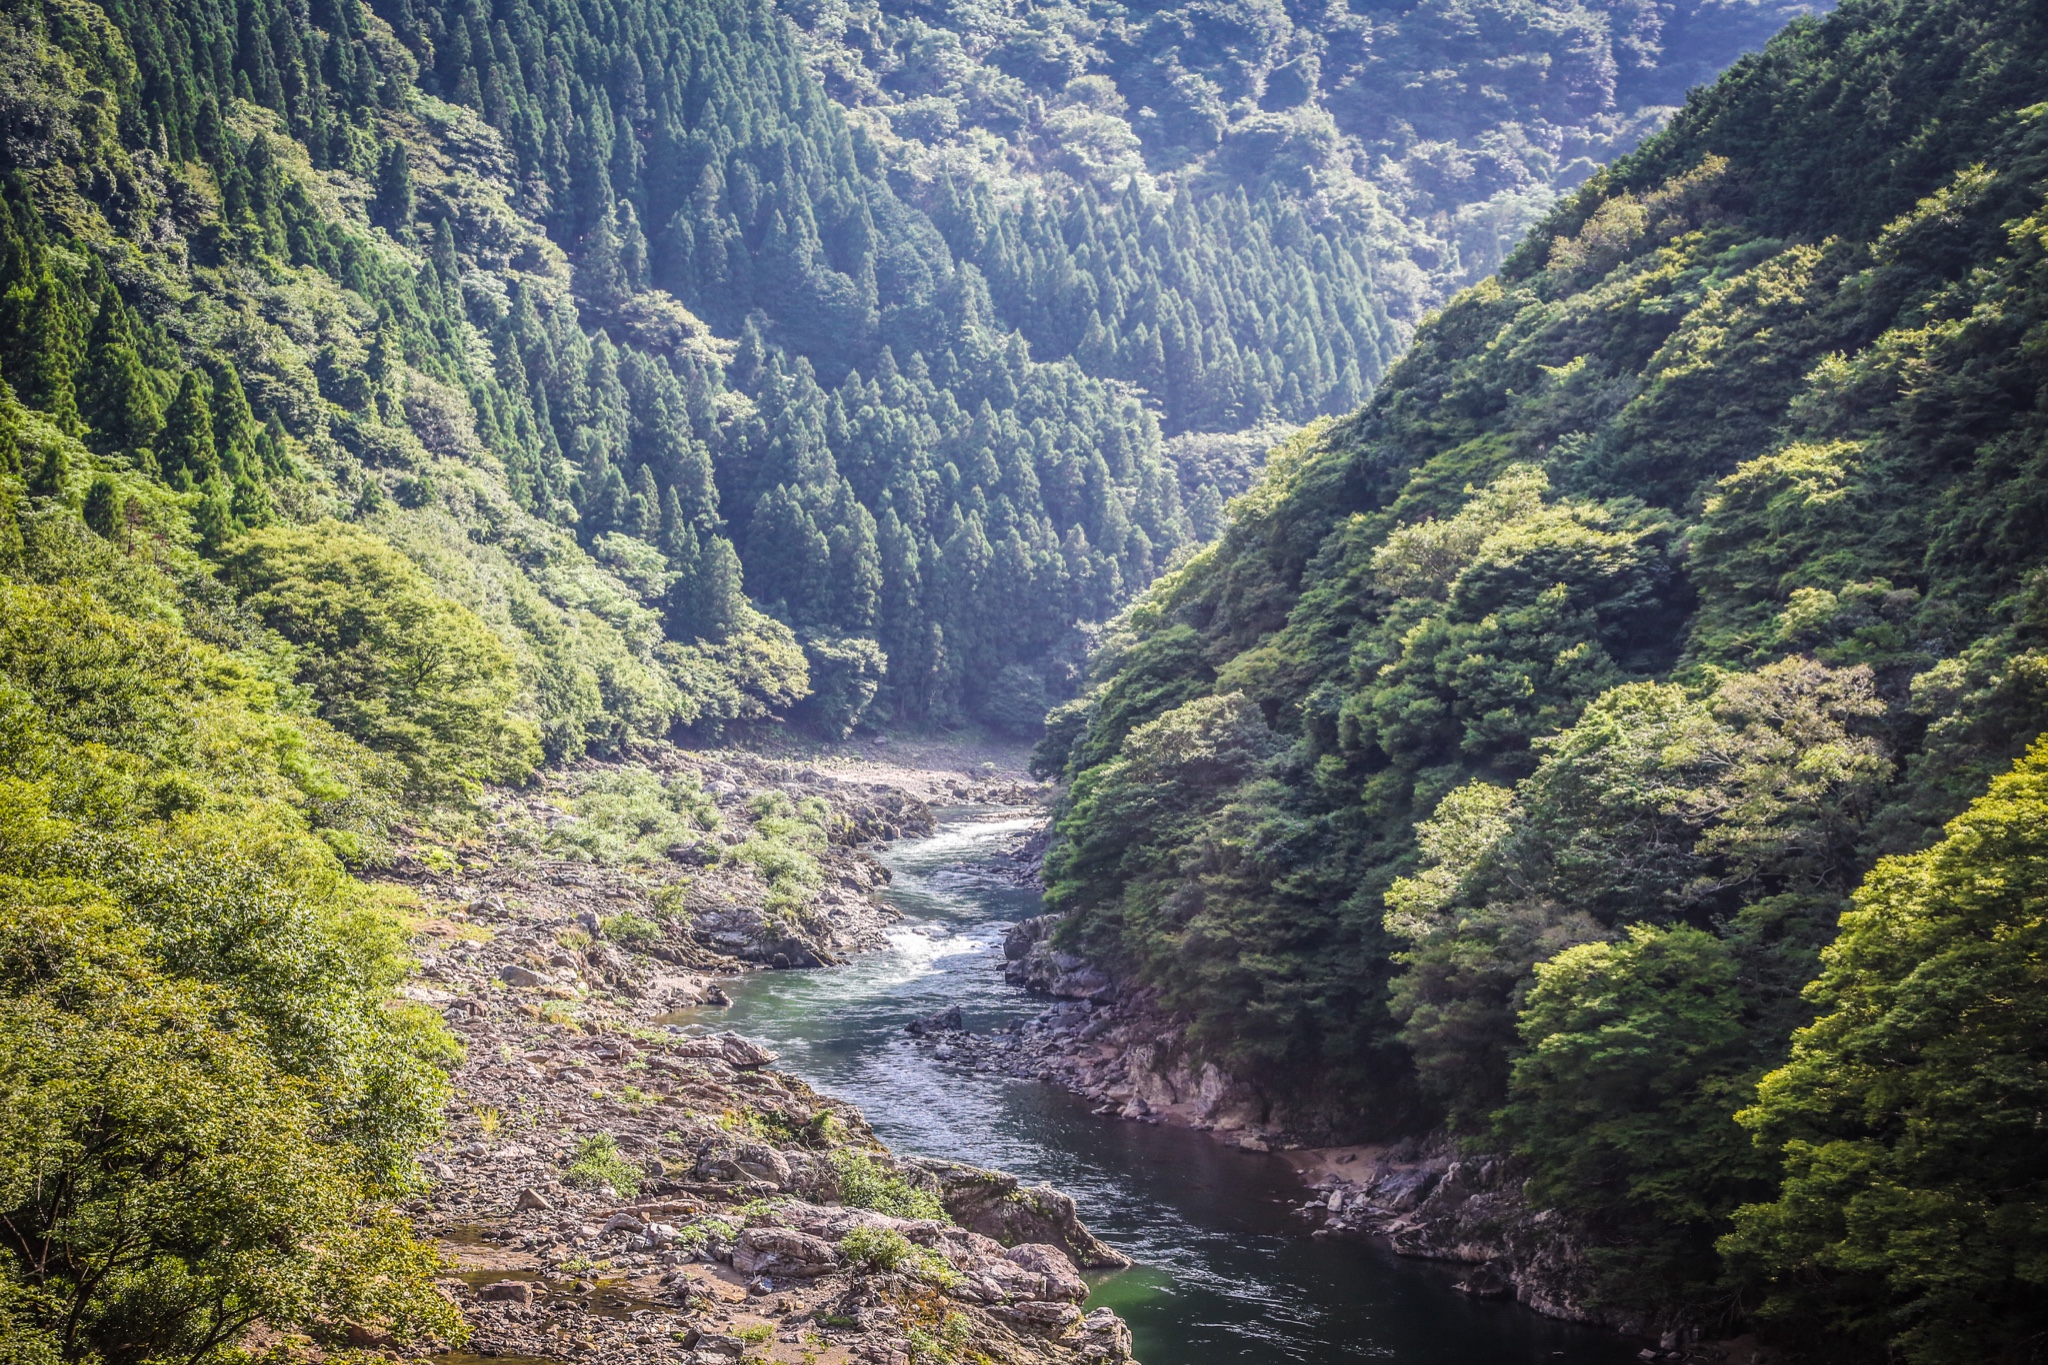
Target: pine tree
[[214, 517], [116, 398], [678, 536], [42, 348], [601, 273], [646, 503], [186, 452], [105, 508], [707, 601], [52, 477], [393, 206], [234, 425], [856, 565]]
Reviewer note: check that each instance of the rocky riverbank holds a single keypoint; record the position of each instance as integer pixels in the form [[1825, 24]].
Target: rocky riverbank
[[623, 1181], [1422, 1196]]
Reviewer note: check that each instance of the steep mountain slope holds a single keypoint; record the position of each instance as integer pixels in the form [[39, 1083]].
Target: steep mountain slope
[[1387, 152], [483, 275], [1675, 576]]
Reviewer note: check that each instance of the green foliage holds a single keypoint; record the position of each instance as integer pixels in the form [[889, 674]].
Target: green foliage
[[390, 661], [1910, 1213], [167, 1181], [1252, 116], [782, 848], [788, 358], [631, 929], [1736, 809], [598, 1162], [209, 1106], [877, 1248], [630, 814], [864, 1183], [845, 676], [1634, 1058], [1675, 576]]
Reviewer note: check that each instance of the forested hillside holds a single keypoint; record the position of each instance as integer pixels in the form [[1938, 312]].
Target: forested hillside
[[1511, 761], [1312, 172], [398, 397], [612, 321]]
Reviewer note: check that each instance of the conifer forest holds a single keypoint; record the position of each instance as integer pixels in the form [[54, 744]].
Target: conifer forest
[[1514, 535]]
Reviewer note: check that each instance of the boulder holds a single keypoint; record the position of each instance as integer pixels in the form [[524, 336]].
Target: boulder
[[725, 1160], [1062, 1281], [507, 1291], [1035, 964], [947, 1020], [743, 1054], [1023, 934], [512, 974], [997, 1205], [1488, 1282], [1401, 1190], [778, 1252], [1054, 1319], [1109, 1338], [530, 1198]]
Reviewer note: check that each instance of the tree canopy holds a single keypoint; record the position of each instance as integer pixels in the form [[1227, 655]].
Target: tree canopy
[[1675, 579]]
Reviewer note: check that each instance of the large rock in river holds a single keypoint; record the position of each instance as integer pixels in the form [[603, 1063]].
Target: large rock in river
[[1000, 1206]]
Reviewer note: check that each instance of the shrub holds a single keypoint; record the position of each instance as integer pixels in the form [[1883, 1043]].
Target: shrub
[[631, 815], [598, 1162], [865, 1184], [877, 1248], [630, 929]]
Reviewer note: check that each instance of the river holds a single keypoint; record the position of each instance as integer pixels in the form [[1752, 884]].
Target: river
[[1224, 1271]]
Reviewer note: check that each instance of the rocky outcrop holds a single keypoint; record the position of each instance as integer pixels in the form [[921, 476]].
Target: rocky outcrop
[[999, 1206], [1130, 1057], [1034, 961], [711, 907], [782, 1253], [1429, 1201]]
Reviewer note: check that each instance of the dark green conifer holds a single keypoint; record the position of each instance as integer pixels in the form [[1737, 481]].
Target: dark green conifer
[[393, 206], [43, 344], [105, 507], [186, 454], [116, 398]]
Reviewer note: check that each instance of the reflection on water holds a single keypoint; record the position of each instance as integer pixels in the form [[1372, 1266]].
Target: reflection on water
[[1224, 1272]]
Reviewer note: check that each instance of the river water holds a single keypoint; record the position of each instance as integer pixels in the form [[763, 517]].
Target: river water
[[1224, 1271]]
